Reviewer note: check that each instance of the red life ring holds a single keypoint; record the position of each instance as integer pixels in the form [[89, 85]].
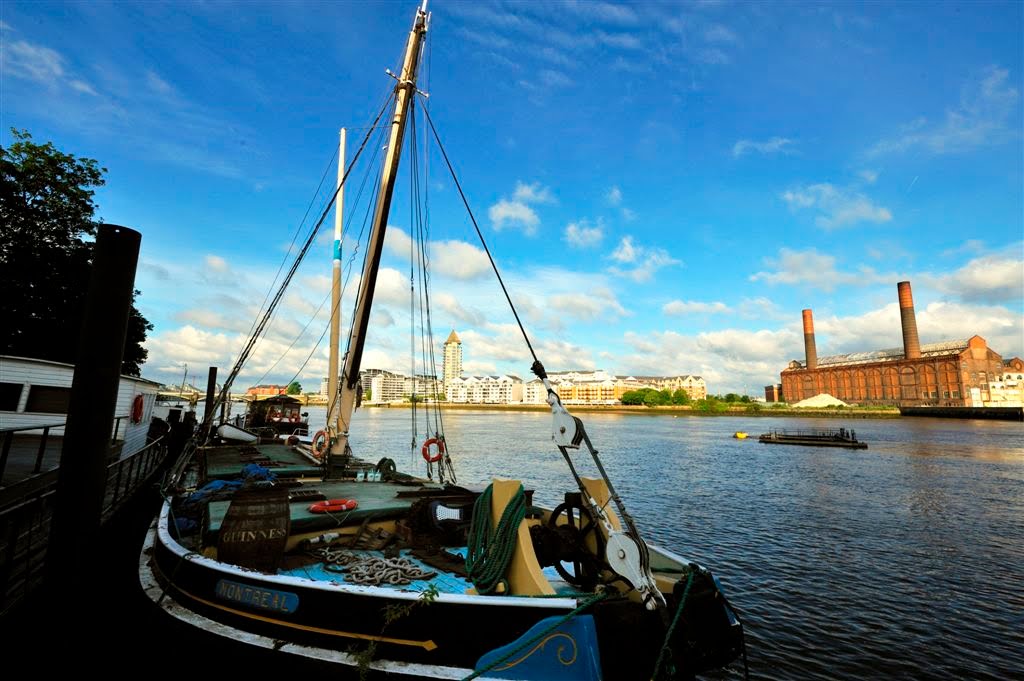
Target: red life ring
[[333, 506], [426, 450], [320, 449], [137, 407]]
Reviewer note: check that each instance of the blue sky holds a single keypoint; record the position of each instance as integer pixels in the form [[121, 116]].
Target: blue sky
[[664, 185]]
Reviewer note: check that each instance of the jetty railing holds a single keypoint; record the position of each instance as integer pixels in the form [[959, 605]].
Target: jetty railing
[[26, 511], [8, 435]]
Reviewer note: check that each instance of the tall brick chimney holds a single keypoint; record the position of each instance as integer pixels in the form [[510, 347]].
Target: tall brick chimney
[[809, 349], [911, 342]]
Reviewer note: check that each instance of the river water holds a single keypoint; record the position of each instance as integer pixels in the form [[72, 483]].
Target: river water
[[904, 560]]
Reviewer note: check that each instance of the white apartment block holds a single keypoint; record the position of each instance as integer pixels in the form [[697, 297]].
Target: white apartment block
[[502, 389]]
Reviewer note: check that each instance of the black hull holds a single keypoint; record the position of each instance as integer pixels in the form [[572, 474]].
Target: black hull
[[450, 633], [811, 442]]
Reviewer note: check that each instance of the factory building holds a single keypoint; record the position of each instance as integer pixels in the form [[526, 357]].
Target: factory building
[[955, 373]]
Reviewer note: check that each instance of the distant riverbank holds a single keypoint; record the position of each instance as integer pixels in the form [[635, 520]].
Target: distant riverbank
[[742, 409]]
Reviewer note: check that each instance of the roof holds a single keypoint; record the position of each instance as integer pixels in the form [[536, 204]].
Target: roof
[[940, 349], [453, 338]]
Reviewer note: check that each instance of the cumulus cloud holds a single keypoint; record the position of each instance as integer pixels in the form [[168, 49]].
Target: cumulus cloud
[[645, 261], [817, 270], [533, 193], [685, 307], [589, 307], [836, 206], [774, 145], [990, 278], [516, 212], [455, 259], [614, 196], [581, 235], [985, 116]]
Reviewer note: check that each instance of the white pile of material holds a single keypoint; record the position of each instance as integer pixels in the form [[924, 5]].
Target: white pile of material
[[822, 400]]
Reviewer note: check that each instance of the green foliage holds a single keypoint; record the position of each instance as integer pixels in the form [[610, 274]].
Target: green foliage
[[711, 405], [294, 388], [754, 407], [681, 397], [367, 395], [392, 613], [47, 213], [632, 397]]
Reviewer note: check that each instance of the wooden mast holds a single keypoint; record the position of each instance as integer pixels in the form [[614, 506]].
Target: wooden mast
[[405, 90], [333, 413]]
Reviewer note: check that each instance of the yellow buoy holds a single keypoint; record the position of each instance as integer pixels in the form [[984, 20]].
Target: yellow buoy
[[740, 435]]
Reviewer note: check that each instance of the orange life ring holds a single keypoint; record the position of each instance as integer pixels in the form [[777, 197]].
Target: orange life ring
[[426, 450], [137, 407], [320, 449], [333, 506]]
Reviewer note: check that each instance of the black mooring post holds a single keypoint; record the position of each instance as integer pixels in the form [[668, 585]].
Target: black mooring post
[[81, 482], [211, 395]]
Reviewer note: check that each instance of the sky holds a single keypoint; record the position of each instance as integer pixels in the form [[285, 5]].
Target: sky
[[664, 186]]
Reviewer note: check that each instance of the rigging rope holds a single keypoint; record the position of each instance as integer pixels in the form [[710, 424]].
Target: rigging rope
[[257, 333], [480, 234]]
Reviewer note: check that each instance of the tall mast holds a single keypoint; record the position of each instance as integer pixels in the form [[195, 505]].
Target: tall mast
[[405, 90], [332, 365]]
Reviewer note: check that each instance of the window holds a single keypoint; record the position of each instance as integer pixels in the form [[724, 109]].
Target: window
[[935, 393], [956, 393], [945, 394], [48, 399], [10, 393]]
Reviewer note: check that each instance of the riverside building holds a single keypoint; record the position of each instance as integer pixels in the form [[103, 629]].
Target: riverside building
[[955, 373]]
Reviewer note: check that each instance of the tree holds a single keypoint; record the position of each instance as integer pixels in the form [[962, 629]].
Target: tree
[[47, 213], [680, 397], [294, 388]]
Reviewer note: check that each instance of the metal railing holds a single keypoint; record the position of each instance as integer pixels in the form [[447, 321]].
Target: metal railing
[[25, 522], [8, 440]]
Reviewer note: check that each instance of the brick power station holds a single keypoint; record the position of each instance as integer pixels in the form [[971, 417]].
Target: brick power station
[[953, 373]]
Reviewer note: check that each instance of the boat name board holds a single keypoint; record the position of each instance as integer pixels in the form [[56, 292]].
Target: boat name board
[[256, 597]]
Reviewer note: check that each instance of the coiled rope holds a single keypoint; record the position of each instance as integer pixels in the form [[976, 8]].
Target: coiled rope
[[489, 551], [372, 570]]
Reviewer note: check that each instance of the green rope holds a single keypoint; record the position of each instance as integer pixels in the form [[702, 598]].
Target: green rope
[[489, 551], [534, 639], [668, 635]]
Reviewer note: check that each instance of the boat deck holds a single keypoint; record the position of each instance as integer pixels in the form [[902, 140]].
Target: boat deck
[[284, 461], [376, 500]]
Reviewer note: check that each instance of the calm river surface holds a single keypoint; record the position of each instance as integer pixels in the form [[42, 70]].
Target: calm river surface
[[904, 560]]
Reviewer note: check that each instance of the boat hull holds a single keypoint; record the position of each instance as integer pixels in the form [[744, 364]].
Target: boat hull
[[444, 638]]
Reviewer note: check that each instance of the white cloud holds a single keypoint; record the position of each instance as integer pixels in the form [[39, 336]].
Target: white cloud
[[33, 62], [836, 206], [216, 263], [507, 213], [516, 212], [625, 252], [614, 196], [985, 116], [817, 270], [628, 215], [646, 261], [533, 193], [81, 86], [581, 235], [600, 305], [684, 307], [990, 278], [771, 146]]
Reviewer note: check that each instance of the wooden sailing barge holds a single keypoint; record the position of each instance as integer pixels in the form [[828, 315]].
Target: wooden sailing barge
[[314, 551]]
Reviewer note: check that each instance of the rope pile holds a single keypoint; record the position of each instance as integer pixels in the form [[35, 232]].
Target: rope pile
[[372, 570]]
